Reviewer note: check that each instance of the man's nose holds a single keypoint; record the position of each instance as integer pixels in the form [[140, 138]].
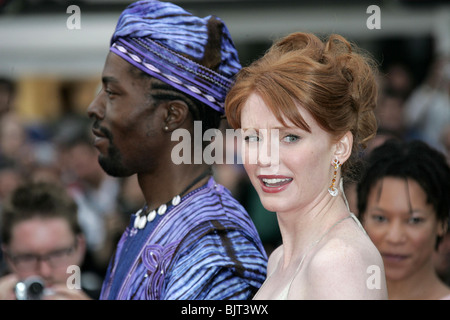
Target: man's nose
[[44, 268], [96, 109]]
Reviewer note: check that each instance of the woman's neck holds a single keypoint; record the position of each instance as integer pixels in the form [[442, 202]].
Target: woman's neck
[[300, 228], [423, 285]]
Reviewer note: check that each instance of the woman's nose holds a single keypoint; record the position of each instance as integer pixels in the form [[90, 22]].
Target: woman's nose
[[268, 149], [396, 233]]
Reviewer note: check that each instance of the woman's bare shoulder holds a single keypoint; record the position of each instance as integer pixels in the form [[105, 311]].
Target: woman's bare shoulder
[[274, 259], [346, 266]]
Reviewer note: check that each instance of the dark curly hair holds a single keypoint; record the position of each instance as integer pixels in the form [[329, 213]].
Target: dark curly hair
[[409, 160]]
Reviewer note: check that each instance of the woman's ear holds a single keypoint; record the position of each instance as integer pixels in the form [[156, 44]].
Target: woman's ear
[[176, 113], [343, 148], [442, 228]]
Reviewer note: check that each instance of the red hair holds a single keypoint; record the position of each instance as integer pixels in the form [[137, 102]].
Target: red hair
[[332, 80]]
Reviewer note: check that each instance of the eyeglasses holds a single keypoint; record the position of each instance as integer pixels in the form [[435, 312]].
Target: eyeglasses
[[30, 262]]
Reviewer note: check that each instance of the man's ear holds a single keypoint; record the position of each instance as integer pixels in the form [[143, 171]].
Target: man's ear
[[177, 111], [81, 246], [343, 147], [4, 248], [7, 257]]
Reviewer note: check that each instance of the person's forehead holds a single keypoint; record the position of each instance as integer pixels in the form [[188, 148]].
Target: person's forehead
[[255, 111], [41, 234], [115, 66]]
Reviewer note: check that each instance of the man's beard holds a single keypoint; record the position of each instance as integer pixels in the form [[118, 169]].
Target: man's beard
[[112, 163]]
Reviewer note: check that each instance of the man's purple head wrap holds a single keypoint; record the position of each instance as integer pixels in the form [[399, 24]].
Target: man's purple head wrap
[[157, 36]]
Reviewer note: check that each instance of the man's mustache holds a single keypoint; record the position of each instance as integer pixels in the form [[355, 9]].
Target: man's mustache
[[104, 131]]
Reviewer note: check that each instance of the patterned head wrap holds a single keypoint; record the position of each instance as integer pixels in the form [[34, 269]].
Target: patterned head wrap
[[157, 37]]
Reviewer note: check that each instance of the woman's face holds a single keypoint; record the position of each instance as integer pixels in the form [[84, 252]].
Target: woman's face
[[289, 167], [402, 225]]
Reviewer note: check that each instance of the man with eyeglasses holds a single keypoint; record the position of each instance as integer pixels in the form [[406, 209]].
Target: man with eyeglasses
[[41, 238]]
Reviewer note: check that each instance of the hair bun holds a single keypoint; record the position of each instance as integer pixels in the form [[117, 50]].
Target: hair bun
[[359, 70]]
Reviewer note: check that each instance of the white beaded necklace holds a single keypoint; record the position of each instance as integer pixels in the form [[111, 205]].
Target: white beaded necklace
[[141, 219]]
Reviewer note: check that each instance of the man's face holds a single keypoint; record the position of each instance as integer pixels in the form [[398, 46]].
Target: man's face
[[44, 247], [127, 124]]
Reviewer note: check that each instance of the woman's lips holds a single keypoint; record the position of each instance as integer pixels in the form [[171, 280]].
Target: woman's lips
[[274, 184], [394, 258]]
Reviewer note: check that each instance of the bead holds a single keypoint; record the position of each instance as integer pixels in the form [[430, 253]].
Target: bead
[[136, 221], [142, 222], [151, 216], [162, 209], [176, 200]]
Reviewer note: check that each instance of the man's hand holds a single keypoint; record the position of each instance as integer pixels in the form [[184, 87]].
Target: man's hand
[[7, 286], [62, 292]]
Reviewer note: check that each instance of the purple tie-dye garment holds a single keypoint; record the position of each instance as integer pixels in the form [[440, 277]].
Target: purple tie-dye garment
[[206, 248]]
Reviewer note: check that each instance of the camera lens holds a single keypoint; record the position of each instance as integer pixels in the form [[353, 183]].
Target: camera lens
[[35, 290], [30, 289]]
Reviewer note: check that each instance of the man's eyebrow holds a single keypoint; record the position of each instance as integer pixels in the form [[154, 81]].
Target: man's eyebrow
[[107, 79]]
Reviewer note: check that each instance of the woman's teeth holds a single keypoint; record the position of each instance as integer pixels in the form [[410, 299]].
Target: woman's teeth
[[276, 182]]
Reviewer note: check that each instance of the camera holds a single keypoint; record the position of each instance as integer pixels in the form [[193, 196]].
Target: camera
[[31, 288]]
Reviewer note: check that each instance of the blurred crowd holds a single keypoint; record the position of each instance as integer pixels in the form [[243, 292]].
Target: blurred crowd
[[61, 152], [407, 110]]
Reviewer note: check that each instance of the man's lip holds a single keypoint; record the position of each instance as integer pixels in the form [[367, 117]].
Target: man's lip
[[99, 137], [274, 183], [98, 133]]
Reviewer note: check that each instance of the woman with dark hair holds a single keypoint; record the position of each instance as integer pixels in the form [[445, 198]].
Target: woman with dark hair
[[404, 204], [310, 102]]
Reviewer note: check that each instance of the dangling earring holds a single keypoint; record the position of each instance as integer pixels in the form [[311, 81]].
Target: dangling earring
[[332, 189]]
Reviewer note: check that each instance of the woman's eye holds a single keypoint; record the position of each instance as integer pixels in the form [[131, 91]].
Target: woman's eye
[[291, 138], [378, 218], [415, 220], [251, 138]]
